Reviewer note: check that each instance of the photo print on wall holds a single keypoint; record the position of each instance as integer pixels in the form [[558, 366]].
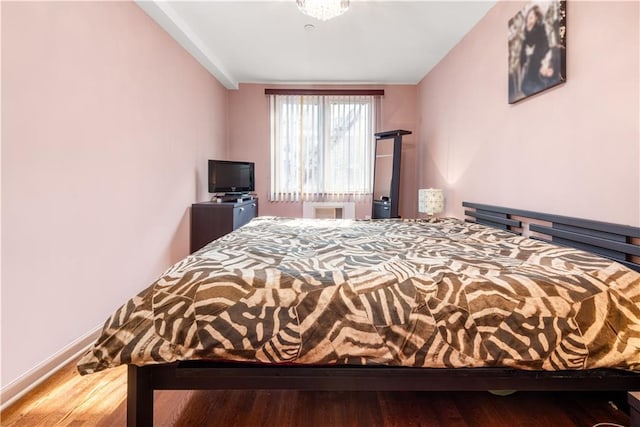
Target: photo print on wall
[[537, 48]]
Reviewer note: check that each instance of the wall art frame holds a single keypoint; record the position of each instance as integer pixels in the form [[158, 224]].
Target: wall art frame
[[537, 45]]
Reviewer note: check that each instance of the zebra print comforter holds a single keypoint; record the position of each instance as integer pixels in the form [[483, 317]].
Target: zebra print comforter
[[393, 292]]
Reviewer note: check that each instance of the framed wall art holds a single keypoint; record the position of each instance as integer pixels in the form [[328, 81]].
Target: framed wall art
[[537, 48]]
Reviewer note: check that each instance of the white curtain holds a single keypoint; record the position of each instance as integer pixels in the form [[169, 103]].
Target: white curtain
[[322, 147]]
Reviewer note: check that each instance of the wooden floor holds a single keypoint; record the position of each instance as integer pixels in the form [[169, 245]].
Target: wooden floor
[[67, 399]]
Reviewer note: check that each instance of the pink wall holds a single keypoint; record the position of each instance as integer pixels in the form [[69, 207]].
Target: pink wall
[[107, 126], [249, 140], [572, 150]]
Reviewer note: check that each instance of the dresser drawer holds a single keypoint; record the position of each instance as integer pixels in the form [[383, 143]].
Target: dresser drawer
[[244, 214]]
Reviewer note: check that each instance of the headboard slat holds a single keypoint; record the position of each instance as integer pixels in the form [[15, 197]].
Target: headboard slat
[[493, 218], [585, 238], [595, 233], [607, 253]]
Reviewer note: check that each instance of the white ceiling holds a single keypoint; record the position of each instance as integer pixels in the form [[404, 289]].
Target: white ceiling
[[386, 42]]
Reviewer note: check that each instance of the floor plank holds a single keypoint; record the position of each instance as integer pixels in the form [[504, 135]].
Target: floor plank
[[68, 399]]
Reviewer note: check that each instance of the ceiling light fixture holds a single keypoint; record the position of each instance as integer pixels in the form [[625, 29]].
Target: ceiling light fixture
[[323, 9]]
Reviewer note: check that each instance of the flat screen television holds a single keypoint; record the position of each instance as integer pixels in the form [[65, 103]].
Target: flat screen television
[[231, 177]]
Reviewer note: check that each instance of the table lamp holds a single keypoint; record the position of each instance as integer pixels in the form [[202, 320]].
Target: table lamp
[[430, 201]]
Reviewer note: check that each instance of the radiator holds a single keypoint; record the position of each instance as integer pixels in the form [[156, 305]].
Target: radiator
[[333, 210]]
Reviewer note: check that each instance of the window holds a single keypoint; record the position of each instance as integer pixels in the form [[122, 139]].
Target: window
[[322, 147]]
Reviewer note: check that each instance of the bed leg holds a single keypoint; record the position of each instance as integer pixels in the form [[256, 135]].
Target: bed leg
[[139, 397], [634, 408]]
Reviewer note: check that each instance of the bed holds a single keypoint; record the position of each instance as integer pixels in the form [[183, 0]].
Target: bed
[[388, 305]]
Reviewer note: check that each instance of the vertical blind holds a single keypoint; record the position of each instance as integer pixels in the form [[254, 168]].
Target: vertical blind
[[322, 147]]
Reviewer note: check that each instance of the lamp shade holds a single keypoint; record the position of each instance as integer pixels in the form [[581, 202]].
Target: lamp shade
[[430, 200]]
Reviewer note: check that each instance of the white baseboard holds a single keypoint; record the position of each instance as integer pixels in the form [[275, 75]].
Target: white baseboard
[[30, 379]]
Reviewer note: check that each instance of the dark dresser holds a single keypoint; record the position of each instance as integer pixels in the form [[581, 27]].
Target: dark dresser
[[211, 220]]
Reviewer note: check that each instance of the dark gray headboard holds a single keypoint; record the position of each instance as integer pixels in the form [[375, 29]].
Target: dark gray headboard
[[620, 243]]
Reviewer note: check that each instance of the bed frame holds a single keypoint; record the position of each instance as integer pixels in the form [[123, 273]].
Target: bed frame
[[618, 242]]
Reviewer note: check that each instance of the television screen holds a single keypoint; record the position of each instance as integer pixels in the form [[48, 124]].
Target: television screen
[[231, 177]]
